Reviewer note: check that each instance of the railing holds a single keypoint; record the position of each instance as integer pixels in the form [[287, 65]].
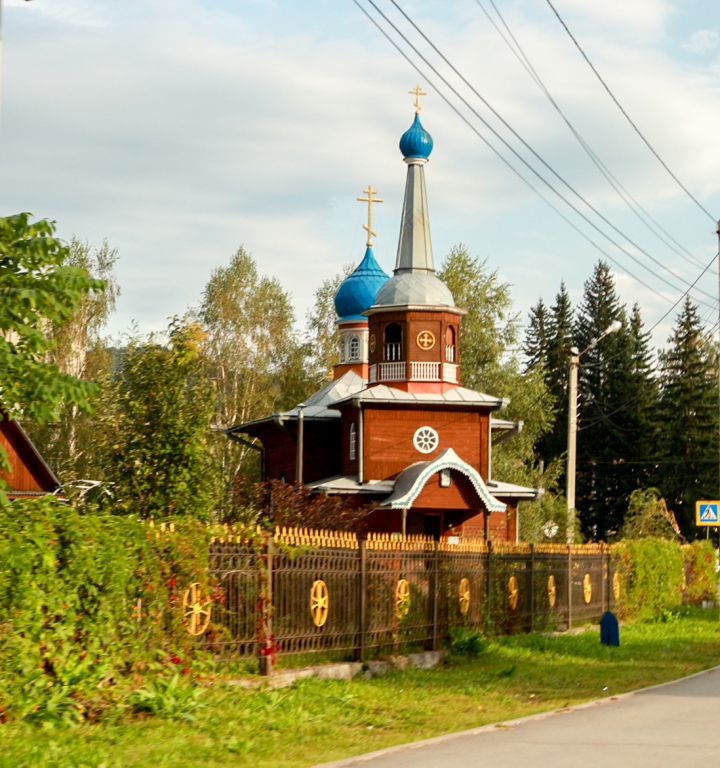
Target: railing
[[393, 350], [392, 372], [422, 371], [306, 592], [425, 371], [450, 353]]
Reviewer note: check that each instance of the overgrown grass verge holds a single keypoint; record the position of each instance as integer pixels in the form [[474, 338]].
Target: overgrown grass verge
[[316, 721]]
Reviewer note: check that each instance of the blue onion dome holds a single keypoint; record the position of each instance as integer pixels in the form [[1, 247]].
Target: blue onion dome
[[416, 142], [358, 290]]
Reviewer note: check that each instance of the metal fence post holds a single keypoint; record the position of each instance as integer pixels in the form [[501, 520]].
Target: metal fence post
[[435, 593], [362, 603], [603, 578], [266, 641], [532, 587], [569, 587], [488, 590]]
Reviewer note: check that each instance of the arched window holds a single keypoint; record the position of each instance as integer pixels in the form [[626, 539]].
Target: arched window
[[393, 342], [450, 344], [342, 349], [354, 348], [352, 452]]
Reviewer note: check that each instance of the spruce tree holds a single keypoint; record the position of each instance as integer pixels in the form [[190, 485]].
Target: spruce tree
[[624, 463], [558, 340], [536, 336], [687, 468], [602, 444]]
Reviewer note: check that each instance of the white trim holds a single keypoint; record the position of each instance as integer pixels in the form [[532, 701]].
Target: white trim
[[352, 448], [448, 459]]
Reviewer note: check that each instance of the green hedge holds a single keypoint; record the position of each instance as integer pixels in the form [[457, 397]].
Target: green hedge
[[90, 604], [700, 574], [656, 576]]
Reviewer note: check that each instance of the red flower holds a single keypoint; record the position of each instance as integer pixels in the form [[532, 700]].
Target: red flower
[[175, 660]]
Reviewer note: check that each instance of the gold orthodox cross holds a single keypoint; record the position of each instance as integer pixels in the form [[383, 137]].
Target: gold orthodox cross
[[417, 92], [369, 199]]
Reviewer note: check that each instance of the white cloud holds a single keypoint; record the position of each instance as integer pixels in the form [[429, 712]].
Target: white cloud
[[82, 13], [639, 19], [703, 41], [181, 130]]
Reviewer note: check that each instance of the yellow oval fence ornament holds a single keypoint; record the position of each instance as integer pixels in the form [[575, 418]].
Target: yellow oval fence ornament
[[402, 598], [319, 602], [616, 585], [513, 592], [196, 609], [587, 588], [464, 596], [552, 591]]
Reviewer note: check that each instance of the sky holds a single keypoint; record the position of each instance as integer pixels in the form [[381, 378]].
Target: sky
[[181, 130]]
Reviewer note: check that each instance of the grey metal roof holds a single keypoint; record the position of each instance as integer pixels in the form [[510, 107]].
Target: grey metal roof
[[350, 484], [318, 405], [334, 391], [512, 491], [381, 393], [414, 288]]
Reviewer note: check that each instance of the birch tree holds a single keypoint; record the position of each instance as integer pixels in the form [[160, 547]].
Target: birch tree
[[254, 356]]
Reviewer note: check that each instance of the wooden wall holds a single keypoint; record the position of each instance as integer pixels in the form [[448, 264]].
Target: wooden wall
[[28, 473], [388, 445]]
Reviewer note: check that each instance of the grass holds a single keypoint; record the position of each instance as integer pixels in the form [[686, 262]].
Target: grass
[[317, 721]]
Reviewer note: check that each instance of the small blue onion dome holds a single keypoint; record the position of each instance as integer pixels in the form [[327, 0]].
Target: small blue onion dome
[[416, 141], [358, 290]]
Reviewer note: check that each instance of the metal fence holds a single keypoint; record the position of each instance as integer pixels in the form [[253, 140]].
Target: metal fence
[[305, 593]]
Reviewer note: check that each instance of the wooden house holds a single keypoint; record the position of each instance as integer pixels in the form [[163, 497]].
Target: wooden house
[[28, 475], [395, 429]]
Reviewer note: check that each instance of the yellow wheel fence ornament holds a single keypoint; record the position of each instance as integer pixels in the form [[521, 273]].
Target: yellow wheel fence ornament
[[552, 591], [319, 602], [587, 588], [513, 592], [464, 596], [402, 598], [616, 585], [196, 608]]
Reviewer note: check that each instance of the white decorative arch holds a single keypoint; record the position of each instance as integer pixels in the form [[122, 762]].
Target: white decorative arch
[[410, 482]]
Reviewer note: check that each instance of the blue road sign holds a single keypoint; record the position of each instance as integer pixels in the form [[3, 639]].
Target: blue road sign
[[707, 512]]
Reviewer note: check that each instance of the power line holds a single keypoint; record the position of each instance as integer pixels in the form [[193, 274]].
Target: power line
[[642, 214], [628, 118], [527, 146]]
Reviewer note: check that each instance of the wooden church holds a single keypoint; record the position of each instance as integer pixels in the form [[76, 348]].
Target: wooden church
[[395, 429]]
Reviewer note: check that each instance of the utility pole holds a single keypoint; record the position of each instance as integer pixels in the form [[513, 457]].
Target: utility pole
[[575, 356], [717, 363], [571, 444]]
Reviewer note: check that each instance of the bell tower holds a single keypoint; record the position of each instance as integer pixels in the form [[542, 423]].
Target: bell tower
[[414, 325]]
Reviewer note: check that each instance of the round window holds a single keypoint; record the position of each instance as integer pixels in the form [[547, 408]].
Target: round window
[[426, 439]]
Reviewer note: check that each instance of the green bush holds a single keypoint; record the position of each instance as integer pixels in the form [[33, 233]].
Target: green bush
[[700, 575], [466, 642], [88, 601], [651, 577]]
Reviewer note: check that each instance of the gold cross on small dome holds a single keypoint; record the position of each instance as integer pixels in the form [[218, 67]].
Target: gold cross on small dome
[[417, 92], [369, 199]]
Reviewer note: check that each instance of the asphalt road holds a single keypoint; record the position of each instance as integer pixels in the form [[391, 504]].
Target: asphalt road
[[676, 724]]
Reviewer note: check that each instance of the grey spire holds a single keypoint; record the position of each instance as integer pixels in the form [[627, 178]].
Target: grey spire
[[414, 282], [415, 246]]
